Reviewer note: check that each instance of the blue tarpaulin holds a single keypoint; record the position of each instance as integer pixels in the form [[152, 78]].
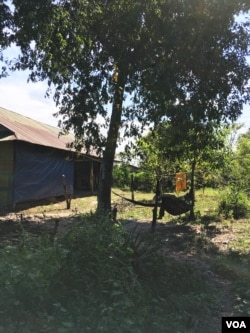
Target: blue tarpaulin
[[38, 172]]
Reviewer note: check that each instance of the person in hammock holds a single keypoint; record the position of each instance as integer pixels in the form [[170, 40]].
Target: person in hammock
[[169, 203], [175, 205]]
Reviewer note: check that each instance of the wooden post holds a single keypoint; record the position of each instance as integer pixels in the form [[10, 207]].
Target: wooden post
[[67, 194], [132, 186], [157, 197], [91, 177]]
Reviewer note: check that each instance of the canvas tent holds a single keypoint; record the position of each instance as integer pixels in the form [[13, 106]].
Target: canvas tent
[[33, 158]]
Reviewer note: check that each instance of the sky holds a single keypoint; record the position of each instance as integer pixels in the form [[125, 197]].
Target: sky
[[28, 99]]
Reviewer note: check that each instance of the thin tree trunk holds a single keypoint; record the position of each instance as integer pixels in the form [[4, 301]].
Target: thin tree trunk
[[192, 215], [105, 178]]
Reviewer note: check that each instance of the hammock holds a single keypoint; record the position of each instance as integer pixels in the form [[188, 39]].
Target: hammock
[[169, 202], [173, 205]]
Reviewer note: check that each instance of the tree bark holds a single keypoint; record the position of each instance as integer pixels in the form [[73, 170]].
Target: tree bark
[[192, 215], [105, 178]]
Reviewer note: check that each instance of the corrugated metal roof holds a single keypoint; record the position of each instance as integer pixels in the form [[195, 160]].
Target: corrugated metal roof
[[32, 131]]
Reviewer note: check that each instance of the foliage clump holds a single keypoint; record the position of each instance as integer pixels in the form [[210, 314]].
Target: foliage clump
[[121, 176], [124, 178], [234, 203]]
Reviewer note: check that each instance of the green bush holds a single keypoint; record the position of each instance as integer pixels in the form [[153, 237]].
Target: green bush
[[144, 182], [234, 203], [26, 273], [121, 176]]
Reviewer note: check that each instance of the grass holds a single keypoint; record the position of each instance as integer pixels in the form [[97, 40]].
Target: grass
[[207, 201], [99, 278], [204, 201], [58, 206], [241, 243]]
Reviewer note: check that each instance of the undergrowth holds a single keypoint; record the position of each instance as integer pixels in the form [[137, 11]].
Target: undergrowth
[[99, 278], [234, 202]]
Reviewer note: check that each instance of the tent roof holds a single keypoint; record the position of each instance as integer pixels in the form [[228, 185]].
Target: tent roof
[[14, 126]]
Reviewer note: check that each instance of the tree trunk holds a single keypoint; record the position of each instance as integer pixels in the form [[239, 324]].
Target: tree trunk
[[105, 178], [192, 215]]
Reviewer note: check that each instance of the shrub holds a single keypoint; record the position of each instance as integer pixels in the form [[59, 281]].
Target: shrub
[[235, 203], [144, 182], [121, 176], [27, 270]]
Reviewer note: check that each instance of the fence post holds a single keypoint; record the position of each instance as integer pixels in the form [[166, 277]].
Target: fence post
[[67, 194], [132, 186], [157, 197]]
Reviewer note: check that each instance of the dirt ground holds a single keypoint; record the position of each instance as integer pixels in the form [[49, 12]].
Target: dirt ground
[[12, 225]]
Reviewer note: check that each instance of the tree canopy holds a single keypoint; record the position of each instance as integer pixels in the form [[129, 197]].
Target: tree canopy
[[5, 24], [148, 60]]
